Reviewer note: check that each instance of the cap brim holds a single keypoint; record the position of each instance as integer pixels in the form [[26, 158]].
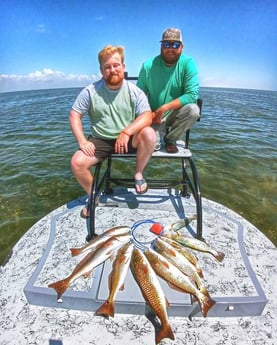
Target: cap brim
[[171, 41]]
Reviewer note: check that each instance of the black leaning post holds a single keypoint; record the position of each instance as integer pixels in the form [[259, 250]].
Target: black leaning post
[[92, 202]]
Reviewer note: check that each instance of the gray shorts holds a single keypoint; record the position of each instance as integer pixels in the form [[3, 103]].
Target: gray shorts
[[104, 148]]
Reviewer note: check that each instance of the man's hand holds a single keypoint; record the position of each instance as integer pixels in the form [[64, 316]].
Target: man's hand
[[158, 114], [156, 118], [121, 144], [88, 148]]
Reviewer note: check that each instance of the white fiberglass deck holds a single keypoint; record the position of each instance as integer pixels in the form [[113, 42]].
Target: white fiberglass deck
[[243, 285], [232, 283]]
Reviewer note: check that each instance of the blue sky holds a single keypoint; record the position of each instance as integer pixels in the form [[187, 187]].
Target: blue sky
[[46, 44]]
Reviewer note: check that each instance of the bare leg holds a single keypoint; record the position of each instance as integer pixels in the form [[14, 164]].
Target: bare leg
[[144, 142], [80, 165]]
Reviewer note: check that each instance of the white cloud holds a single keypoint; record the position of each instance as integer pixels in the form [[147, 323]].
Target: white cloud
[[44, 79]]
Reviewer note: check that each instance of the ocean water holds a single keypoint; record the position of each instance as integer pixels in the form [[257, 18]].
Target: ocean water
[[234, 147]]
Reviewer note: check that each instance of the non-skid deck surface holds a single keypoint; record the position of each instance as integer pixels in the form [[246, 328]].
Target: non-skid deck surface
[[232, 283], [42, 256]]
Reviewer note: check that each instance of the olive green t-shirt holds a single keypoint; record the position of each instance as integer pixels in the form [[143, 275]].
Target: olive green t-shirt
[[111, 111]]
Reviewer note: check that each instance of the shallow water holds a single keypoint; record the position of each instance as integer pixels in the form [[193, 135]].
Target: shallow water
[[234, 147]]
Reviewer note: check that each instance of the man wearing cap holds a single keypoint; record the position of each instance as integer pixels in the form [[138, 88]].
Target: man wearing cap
[[171, 83]]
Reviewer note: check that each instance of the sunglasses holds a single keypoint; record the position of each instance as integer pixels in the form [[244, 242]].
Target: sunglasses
[[174, 45]]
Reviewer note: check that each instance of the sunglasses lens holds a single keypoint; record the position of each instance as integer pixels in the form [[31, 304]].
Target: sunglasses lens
[[174, 45]]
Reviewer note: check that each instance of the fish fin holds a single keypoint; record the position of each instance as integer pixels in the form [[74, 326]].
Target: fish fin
[[165, 263], [60, 286], [145, 269], [220, 256], [200, 272], [174, 287], [165, 332], [206, 304], [88, 274], [106, 309], [75, 251]]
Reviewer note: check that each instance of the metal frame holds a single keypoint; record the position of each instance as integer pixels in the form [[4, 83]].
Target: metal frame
[[189, 181]]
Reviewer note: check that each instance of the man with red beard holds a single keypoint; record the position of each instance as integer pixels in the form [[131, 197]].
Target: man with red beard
[[120, 118], [171, 83]]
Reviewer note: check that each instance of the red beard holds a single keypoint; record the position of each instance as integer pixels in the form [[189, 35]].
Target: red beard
[[114, 79]]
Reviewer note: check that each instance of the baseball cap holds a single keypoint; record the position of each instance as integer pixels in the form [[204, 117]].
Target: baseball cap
[[172, 34]]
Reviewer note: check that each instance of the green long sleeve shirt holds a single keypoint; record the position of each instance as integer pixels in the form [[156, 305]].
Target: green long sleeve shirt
[[163, 84]]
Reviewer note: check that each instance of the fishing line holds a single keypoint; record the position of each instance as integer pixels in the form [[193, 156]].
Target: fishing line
[[134, 228]]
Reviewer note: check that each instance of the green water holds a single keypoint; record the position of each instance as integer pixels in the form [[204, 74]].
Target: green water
[[234, 147]]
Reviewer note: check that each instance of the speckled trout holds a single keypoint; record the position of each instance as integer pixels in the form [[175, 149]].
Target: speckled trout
[[89, 263], [196, 244], [186, 253], [179, 224], [178, 280], [116, 278], [100, 239], [152, 292], [177, 259]]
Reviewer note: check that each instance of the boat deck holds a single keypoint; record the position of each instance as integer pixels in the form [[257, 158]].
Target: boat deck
[[242, 285]]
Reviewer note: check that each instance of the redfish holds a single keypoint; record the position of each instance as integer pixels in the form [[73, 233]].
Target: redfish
[[89, 263], [178, 280], [100, 239], [116, 278], [152, 292]]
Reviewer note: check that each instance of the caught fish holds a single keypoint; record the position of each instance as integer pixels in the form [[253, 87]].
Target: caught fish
[[100, 239], [186, 253], [152, 292], [89, 263], [179, 224], [196, 244], [116, 278], [177, 259], [178, 280]]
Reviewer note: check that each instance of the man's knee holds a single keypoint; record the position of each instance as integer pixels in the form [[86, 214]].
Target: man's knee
[[194, 111], [191, 111], [80, 162], [146, 136], [75, 163]]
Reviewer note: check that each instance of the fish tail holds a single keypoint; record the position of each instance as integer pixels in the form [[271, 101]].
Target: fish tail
[[206, 304], [219, 256], [60, 287], [106, 309], [75, 251], [165, 332]]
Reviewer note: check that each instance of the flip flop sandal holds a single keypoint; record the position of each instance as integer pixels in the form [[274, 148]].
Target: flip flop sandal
[[140, 183]]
